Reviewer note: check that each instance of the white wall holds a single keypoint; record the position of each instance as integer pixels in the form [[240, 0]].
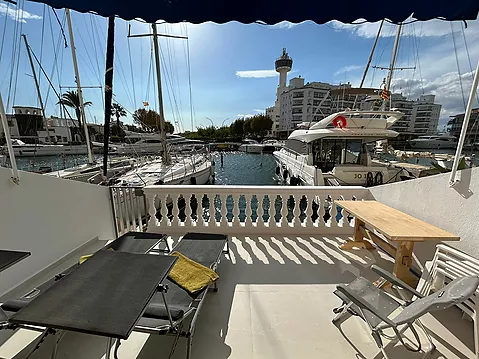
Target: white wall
[[50, 218], [432, 200]]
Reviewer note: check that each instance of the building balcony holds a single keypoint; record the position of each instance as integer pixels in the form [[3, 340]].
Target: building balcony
[[276, 286]]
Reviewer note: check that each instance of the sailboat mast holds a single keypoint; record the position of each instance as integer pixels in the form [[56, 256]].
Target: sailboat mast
[[371, 54], [37, 86], [77, 80], [165, 155], [393, 58], [110, 51]]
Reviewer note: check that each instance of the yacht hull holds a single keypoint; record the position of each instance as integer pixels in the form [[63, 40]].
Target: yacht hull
[[48, 150]]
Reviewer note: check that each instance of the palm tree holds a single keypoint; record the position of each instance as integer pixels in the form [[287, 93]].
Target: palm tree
[[71, 99], [118, 111]]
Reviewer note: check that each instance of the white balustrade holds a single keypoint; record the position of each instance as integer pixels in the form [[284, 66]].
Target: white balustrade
[[130, 208], [308, 209]]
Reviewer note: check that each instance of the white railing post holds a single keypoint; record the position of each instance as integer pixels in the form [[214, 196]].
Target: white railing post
[[235, 221], [297, 211], [260, 211], [150, 199], [248, 222], [224, 210], [284, 210]]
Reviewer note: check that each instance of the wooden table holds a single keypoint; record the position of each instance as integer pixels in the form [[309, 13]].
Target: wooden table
[[395, 226]]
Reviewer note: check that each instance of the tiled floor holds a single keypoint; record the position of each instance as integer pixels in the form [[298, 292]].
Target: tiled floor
[[274, 301]]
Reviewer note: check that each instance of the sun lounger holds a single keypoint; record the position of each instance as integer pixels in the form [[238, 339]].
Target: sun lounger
[[184, 308], [132, 242]]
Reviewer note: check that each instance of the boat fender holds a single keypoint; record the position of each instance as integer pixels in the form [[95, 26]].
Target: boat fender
[[369, 179], [378, 178], [285, 174], [278, 170], [193, 180]]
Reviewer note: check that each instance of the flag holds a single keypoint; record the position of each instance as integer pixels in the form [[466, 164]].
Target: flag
[[145, 103], [385, 94]]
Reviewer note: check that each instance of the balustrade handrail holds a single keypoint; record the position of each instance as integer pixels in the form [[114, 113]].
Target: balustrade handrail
[[205, 189]]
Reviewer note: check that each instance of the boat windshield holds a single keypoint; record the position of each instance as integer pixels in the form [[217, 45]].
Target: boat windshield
[[328, 153]]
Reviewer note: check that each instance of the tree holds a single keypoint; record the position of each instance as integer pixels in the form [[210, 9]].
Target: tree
[[261, 124], [247, 126], [149, 121], [71, 99], [118, 111], [169, 128], [236, 128]]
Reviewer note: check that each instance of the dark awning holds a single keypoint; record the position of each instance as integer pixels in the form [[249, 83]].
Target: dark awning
[[272, 12]]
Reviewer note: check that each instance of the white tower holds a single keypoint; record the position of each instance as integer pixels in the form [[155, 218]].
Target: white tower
[[283, 65]]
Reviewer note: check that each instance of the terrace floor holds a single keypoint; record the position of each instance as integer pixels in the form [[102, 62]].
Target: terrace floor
[[275, 300]]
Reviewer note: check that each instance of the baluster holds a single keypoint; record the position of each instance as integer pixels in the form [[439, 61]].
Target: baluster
[[334, 215], [320, 211], [176, 221], [131, 215], [260, 211], [124, 209], [272, 210], [297, 211], [308, 211], [139, 201], [119, 216], [284, 210], [235, 221], [152, 211], [224, 211], [212, 210], [248, 222], [164, 210], [188, 210]]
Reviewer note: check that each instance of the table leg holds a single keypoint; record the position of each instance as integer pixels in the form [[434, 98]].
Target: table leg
[[109, 343], [358, 238], [403, 261]]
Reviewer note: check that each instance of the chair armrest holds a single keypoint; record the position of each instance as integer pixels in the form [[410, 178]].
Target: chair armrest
[[396, 281], [362, 304]]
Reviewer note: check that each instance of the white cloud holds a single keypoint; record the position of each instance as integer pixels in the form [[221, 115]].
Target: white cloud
[[431, 28], [257, 74], [17, 14], [284, 25], [241, 115], [259, 110], [349, 68]]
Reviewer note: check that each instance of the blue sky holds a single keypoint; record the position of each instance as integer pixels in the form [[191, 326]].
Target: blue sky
[[231, 64]]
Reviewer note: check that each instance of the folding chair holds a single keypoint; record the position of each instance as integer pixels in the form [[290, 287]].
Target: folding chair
[[382, 311]]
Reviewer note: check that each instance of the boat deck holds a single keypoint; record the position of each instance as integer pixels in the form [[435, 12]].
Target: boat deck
[[275, 300]]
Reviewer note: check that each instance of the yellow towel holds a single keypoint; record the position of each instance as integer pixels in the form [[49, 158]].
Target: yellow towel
[[88, 256], [191, 276]]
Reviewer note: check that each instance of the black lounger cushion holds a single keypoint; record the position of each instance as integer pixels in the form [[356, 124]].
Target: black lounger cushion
[[158, 311], [15, 305]]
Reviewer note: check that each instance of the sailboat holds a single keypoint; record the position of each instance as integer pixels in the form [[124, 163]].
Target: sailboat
[[22, 149], [194, 168]]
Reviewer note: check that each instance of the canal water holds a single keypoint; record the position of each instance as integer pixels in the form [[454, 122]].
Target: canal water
[[238, 168]]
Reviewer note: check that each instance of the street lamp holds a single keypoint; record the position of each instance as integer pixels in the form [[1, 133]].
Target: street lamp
[[223, 123], [212, 124]]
